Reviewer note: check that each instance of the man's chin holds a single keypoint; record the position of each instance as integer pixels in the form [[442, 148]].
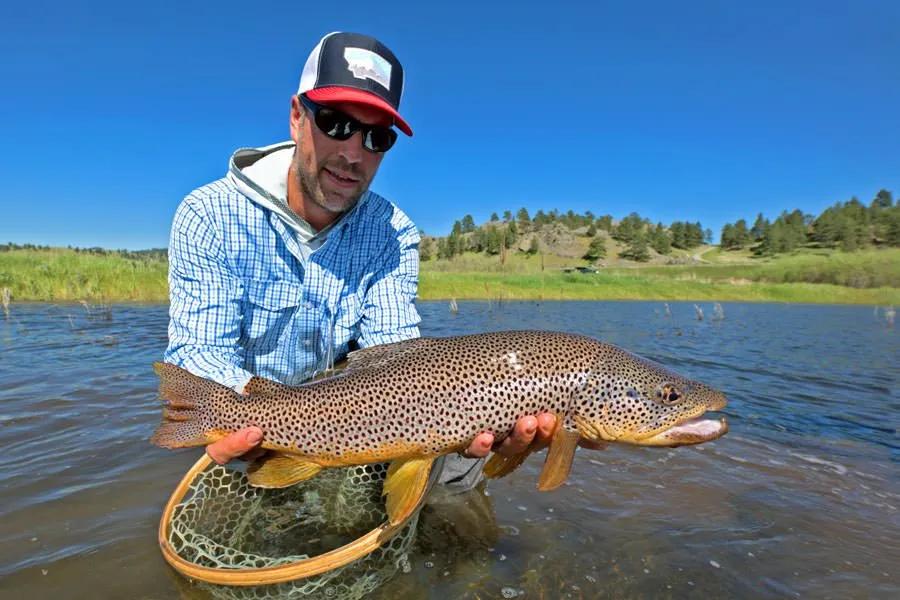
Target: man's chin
[[340, 203]]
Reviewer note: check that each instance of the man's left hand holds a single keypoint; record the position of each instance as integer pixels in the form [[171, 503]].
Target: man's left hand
[[527, 429]]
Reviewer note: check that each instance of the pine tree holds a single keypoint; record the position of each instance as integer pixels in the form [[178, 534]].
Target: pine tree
[[883, 199], [476, 242], [695, 234], [741, 234], [659, 240], [679, 236], [892, 230], [727, 237], [629, 228], [596, 249], [825, 229], [443, 250], [637, 250], [848, 235], [510, 235], [605, 222], [760, 226], [493, 241], [522, 216], [426, 249]]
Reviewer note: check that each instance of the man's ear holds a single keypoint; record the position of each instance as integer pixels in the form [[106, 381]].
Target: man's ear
[[298, 115]]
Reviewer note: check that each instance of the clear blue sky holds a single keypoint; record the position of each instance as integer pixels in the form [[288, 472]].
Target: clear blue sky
[[111, 112]]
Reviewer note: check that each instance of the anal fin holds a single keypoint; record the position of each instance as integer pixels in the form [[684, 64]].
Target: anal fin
[[279, 470], [405, 486], [559, 457]]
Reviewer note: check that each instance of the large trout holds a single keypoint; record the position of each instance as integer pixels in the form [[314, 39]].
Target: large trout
[[412, 401]]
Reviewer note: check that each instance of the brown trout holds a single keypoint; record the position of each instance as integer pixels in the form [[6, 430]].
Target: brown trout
[[412, 401]]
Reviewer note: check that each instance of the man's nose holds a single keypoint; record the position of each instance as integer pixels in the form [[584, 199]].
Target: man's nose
[[351, 149]]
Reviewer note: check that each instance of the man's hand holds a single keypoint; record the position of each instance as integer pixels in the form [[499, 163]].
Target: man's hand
[[243, 444], [527, 428]]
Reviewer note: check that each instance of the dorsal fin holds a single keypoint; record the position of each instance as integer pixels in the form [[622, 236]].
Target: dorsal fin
[[376, 356], [260, 386]]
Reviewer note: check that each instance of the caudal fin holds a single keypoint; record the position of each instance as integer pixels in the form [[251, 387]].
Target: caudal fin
[[184, 397]]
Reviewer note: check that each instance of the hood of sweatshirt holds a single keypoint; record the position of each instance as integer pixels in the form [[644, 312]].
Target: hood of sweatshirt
[[261, 174]]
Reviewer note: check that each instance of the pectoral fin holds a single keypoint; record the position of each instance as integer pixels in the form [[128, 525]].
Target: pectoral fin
[[592, 431], [278, 470], [559, 457], [500, 466], [405, 485]]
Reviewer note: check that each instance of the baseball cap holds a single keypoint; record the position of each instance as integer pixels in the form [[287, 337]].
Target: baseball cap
[[351, 67]]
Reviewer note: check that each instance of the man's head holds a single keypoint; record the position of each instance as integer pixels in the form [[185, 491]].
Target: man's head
[[341, 121]]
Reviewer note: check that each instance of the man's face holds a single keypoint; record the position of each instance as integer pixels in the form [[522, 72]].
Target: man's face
[[332, 174]]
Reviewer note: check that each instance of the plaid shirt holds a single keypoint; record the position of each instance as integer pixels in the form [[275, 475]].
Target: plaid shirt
[[245, 302]]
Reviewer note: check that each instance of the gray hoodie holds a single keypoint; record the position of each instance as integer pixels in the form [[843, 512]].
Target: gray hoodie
[[261, 174]]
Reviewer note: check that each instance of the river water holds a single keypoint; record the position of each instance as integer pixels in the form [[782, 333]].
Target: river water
[[800, 499]]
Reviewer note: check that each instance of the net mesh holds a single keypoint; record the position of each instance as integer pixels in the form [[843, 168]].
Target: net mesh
[[224, 522]]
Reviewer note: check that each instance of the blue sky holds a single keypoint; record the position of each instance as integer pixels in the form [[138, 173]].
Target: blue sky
[[710, 111]]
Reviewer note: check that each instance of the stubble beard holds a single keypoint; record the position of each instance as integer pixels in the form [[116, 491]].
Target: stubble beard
[[311, 187]]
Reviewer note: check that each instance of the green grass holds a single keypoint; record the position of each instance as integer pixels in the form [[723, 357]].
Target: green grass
[[638, 286], [66, 275], [821, 276], [866, 277], [864, 269]]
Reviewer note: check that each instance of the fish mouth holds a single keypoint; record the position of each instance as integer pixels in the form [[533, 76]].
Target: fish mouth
[[688, 432]]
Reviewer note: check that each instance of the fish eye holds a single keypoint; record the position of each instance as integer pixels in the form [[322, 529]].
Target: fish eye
[[668, 393]]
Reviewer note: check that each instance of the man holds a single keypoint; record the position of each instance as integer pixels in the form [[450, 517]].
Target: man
[[287, 262]]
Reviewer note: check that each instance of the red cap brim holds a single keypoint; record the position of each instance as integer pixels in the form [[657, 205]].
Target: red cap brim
[[326, 95]]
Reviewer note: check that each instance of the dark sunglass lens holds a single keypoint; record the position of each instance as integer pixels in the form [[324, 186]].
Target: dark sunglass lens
[[334, 124], [380, 139]]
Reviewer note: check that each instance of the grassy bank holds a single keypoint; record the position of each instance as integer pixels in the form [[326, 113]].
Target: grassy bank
[[822, 276], [61, 275], [870, 277], [636, 286], [865, 269]]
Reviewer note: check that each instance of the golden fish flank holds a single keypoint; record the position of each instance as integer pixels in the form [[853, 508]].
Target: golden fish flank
[[412, 401]]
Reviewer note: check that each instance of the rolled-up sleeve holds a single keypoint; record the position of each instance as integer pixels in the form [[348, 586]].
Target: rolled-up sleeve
[[389, 310], [205, 300]]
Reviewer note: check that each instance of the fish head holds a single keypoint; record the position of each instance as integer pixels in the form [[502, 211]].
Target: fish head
[[645, 404]]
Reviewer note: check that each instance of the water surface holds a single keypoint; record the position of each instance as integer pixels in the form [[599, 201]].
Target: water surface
[[799, 500]]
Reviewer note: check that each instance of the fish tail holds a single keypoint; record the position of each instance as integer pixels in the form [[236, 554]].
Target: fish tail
[[184, 397]]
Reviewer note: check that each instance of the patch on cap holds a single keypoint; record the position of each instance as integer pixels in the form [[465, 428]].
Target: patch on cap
[[365, 64]]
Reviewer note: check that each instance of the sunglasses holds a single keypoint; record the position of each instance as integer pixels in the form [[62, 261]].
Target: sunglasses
[[341, 126]]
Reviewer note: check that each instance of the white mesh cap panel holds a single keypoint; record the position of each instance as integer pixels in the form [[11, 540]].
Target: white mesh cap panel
[[311, 69]]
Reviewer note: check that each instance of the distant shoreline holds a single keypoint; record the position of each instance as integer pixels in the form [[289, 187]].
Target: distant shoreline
[[65, 276], [784, 293], [477, 286]]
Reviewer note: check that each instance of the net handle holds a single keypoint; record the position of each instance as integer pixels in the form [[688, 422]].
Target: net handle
[[300, 569]]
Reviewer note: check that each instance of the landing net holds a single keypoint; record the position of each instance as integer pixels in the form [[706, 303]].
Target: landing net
[[223, 523]]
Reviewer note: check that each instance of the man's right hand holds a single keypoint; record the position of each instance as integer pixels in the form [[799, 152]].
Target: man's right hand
[[243, 444]]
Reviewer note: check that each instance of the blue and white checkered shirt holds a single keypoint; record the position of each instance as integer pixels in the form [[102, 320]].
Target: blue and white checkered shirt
[[246, 300]]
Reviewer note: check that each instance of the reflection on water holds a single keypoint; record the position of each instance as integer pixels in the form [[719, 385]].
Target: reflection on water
[[799, 499]]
